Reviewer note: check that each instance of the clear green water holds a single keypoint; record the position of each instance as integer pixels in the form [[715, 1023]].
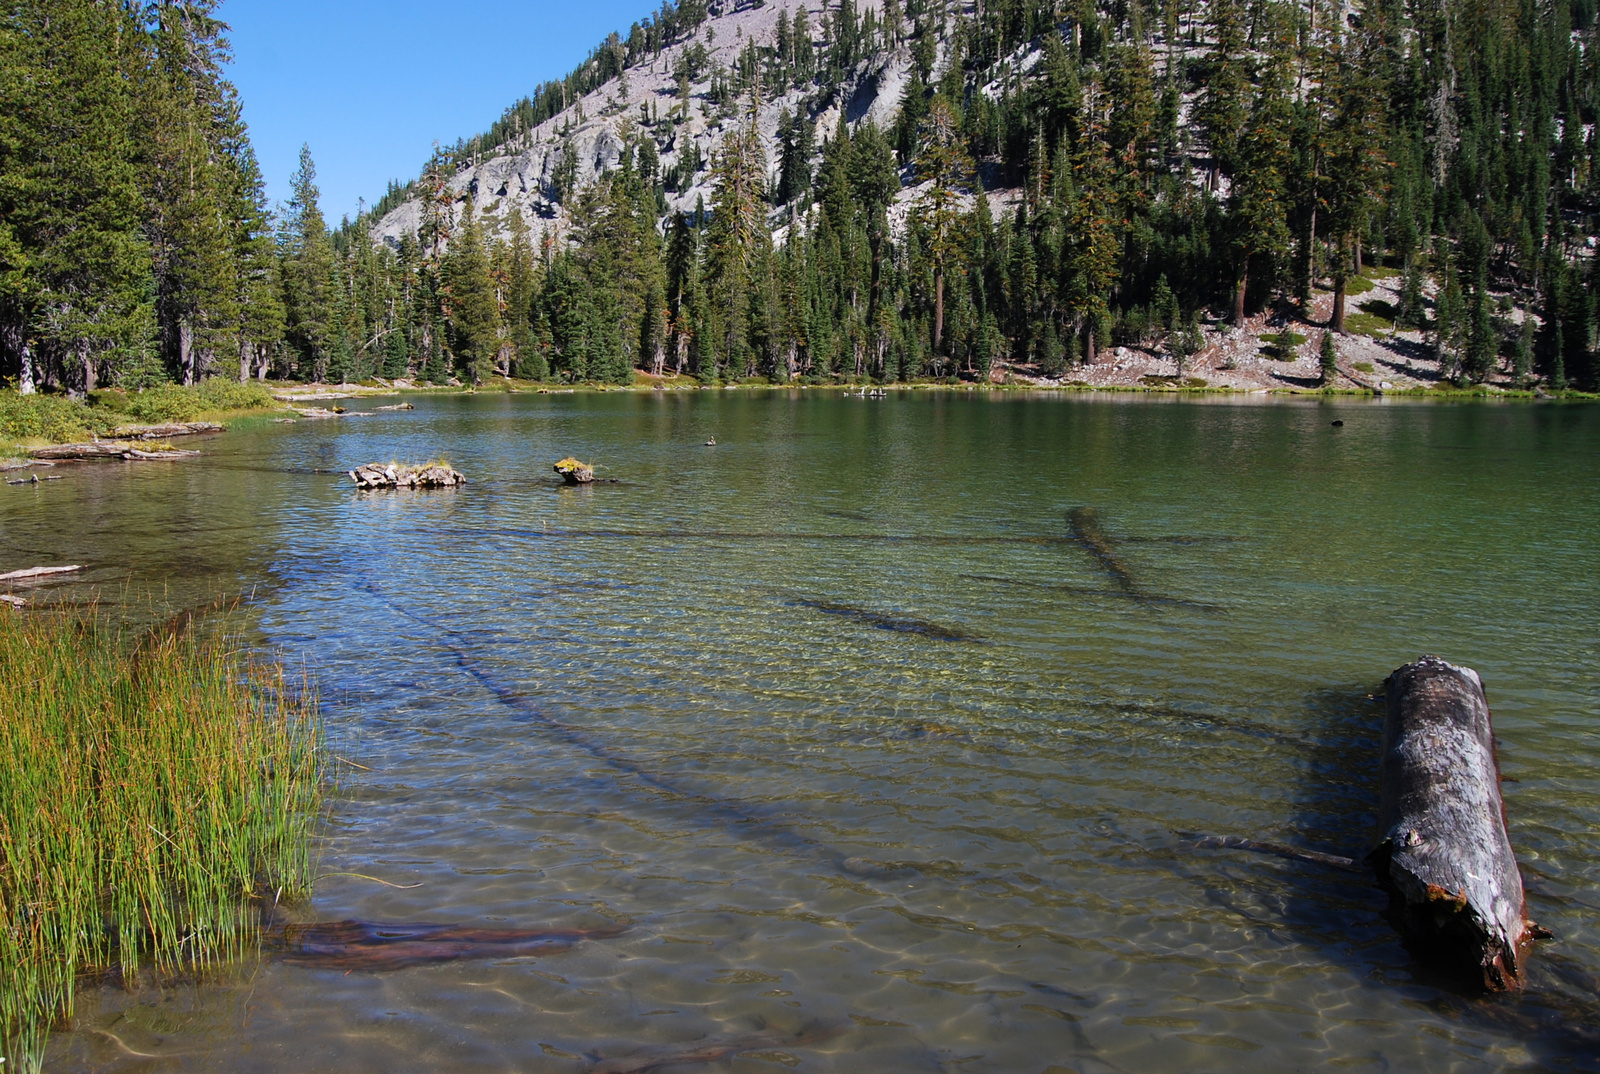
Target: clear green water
[[667, 702]]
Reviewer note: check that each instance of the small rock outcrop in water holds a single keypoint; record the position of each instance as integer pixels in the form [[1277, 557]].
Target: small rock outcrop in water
[[430, 475], [574, 472]]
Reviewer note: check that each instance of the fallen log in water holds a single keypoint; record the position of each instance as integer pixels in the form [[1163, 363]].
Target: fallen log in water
[[431, 475], [1083, 524], [37, 572], [109, 449], [162, 432], [897, 623], [365, 945], [1443, 854]]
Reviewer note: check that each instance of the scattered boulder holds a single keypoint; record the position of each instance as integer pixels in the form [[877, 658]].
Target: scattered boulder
[[432, 475], [574, 472]]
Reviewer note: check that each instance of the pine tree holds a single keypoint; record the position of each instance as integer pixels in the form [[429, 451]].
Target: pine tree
[[77, 272], [944, 161], [737, 242], [258, 301], [1257, 199], [307, 275], [474, 316]]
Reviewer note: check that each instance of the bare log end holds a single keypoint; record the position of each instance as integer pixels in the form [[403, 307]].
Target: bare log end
[[1444, 855]]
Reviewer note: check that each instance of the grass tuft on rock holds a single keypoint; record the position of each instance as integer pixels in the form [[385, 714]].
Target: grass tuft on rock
[[159, 793]]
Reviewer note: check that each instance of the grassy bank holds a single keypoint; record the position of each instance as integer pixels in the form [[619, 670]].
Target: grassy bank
[[33, 420], [156, 791]]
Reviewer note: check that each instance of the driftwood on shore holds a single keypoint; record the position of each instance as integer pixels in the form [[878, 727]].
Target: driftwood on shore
[[433, 475], [574, 472], [109, 449], [1443, 853]]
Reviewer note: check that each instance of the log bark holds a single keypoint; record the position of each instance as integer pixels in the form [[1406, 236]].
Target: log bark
[[107, 449], [165, 432], [37, 572], [1444, 855]]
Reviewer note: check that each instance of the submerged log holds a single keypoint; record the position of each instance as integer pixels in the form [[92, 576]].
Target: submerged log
[[1083, 526], [1444, 855], [365, 945], [376, 475], [574, 472]]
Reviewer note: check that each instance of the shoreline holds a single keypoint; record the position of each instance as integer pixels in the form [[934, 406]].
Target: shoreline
[[290, 398]]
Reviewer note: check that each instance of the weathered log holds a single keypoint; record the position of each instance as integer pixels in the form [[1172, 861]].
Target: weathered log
[[162, 432], [109, 449], [362, 945], [37, 572], [1444, 855], [574, 472], [431, 475], [399, 406]]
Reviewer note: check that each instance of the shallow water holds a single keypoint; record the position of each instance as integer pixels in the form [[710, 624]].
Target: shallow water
[[883, 764]]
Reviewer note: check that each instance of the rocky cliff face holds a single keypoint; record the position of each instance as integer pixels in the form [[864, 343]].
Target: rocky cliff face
[[587, 139]]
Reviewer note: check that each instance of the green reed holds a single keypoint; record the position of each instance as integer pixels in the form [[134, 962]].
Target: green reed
[[157, 795]]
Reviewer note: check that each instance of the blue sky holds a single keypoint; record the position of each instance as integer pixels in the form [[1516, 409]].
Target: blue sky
[[372, 85]]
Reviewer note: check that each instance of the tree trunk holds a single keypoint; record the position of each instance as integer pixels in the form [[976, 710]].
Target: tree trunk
[[938, 310], [88, 371], [186, 351], [1336, 322], [244, 362], [1089, 346], [25, 384], [1358, 257], [1444, 856], [1238, 294]]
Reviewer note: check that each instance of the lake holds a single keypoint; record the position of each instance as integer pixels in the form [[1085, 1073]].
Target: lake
[[885, 727]]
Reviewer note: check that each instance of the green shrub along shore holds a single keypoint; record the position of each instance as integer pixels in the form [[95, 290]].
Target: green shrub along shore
[[159, 794], [42, 418]]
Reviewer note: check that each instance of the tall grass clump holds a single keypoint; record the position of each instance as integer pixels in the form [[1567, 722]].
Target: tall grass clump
[[156, 794]]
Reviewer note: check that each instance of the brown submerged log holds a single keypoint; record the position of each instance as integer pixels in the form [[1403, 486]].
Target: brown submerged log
[[365, 945], [1444, 855]]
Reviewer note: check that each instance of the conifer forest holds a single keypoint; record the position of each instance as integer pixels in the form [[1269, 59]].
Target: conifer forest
[[911, 189]]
